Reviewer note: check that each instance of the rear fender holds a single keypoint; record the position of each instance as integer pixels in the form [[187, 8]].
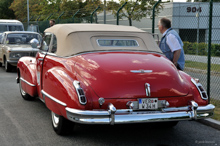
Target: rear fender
[[59, 92], [26, 70]]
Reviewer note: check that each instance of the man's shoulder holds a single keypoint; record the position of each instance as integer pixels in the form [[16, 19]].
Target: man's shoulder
[[171, 35], [172, 32]]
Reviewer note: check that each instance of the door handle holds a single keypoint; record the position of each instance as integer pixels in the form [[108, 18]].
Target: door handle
[[40, 59]]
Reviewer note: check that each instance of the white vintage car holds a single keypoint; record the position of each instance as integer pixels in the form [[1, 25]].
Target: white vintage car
[[16, 44]]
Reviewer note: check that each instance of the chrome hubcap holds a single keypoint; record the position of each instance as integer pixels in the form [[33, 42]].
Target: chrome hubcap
[[22, 91], [55, 119]]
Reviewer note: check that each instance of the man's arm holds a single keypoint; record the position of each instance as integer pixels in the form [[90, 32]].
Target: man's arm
[[176, 55], [175, 47]]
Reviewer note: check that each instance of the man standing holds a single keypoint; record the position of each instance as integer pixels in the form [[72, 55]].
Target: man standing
[[52, 22], [171, 44]]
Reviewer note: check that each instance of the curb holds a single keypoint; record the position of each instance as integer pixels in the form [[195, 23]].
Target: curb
[[210, 122]]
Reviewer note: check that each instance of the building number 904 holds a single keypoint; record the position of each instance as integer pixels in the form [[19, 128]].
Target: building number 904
[[194, 9]]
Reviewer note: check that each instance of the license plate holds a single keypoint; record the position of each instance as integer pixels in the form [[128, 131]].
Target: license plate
[[148, 103]]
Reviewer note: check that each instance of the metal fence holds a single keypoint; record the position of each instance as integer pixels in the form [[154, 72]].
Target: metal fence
[[191, 21]]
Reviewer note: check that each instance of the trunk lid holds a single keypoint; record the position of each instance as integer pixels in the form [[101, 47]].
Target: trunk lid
[[120, 75]]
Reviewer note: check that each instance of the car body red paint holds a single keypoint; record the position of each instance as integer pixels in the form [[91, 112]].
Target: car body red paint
[[117, 76]]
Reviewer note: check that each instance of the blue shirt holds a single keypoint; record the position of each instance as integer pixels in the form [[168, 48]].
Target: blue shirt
[[168, 52]]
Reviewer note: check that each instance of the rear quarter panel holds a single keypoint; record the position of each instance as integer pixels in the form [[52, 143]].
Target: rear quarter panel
[[26, 68], [58, 83], [193, 90]]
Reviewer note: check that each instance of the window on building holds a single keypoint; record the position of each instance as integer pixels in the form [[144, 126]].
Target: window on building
[[190, 35]]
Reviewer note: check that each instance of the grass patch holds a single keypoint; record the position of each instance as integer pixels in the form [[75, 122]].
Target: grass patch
[[202, 66], [216, 103]]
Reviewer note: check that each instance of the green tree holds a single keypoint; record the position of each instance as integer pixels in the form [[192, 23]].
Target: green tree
[[71, 7], [20, 8], [51, 7], [5, 12], [45, 8], [133, 10], [90, 6]]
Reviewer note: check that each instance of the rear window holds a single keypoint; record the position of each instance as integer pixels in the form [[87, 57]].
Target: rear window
[[117, 43]]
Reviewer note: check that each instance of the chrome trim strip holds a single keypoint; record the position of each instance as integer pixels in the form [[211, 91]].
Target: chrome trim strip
[[88, 112], [52, 98], [100, 51], [27, 82], [123, 116], [141, 71], [40, 59], [175, 109]]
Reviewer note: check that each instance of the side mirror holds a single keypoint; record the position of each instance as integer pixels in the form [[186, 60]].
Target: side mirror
[[35, 43]]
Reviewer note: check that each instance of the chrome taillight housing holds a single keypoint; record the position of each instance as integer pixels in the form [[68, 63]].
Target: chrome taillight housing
[[80, 92], [200, 88]]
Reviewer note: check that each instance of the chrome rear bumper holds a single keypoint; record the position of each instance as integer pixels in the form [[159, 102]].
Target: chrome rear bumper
[[123, 116]]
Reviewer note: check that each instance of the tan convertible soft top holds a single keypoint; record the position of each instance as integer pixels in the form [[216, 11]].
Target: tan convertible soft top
[[77, 38]]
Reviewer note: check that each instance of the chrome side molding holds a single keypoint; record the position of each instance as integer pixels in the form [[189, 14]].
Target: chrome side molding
[[52, 98], [30, 84]]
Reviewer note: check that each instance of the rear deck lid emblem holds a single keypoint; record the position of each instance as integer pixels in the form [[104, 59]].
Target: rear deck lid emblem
[[141, 71]]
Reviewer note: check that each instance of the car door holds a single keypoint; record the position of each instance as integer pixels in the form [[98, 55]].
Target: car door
[[45, 46]]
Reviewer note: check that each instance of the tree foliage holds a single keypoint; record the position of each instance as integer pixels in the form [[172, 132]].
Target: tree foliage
[[133, 10], [20, 8], [53, 8], [5, 12]]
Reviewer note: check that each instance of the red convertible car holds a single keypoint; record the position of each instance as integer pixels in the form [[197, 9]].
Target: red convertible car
[[108, 74]]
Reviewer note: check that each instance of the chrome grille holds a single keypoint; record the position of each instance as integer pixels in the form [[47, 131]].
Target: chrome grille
[[18, 54]]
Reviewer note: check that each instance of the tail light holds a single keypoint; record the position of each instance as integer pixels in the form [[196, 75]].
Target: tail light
[[80, 92], [200, 88]]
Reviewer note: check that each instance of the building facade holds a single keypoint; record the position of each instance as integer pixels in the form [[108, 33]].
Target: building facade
[[190, 20]]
